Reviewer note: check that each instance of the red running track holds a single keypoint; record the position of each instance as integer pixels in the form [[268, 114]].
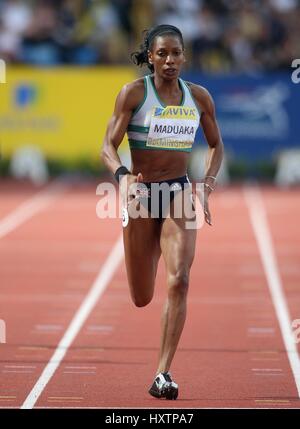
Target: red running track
[[232, 352]]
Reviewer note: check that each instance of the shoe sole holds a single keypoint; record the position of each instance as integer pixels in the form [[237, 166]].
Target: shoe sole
[[169, 393]]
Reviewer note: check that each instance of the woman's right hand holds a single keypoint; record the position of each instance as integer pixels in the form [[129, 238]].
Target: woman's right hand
[[127, 189]]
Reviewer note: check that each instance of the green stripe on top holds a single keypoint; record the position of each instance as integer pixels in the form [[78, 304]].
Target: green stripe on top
[[158, 97], [137, 144], [138, 128], [140, 144], [193, 98], [144, 99]]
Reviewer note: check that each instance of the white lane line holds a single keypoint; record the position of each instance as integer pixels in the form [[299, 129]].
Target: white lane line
[[48, 327], [79, 372], [269, 375], [17, 371], [98, 287], [31, 207], [80, 367], [252, 331], [20, 366], [100, 328], [267, 369], [264, 241]]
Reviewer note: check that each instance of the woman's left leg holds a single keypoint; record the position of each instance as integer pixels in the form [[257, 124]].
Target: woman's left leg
[[178, 249]]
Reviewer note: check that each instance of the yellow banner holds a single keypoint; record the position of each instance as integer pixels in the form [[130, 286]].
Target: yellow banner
[[62, 111]]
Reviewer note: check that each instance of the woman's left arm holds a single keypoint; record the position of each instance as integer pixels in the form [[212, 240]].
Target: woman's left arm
[[214, 140]]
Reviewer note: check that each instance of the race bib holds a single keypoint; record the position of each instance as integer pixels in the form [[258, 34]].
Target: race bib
[[173, 127]]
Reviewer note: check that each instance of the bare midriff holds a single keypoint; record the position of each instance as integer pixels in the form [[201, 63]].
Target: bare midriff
[[158, 165]]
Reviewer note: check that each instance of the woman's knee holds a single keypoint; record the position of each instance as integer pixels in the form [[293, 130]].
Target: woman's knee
[[141, 301], [178, 282], [143, 297]]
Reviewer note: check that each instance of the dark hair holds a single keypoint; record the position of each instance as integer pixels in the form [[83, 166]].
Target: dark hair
[[141, 57]]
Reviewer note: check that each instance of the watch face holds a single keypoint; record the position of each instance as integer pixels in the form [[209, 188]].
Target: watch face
[[125, 217]]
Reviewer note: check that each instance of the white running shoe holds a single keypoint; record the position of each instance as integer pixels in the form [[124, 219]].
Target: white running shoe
[[164, 387]]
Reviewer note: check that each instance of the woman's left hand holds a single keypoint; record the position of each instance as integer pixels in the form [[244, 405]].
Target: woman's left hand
[[207, 214], [203, 195]]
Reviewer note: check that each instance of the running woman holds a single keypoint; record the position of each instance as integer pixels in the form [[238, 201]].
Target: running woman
[[161, 114]]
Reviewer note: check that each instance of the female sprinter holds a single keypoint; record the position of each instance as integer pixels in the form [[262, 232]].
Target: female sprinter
[[160, 140]]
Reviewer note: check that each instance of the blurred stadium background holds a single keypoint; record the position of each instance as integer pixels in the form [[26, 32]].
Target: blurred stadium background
[[67, 59]]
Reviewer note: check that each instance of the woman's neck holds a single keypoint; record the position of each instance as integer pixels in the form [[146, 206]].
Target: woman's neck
[[168, 86]]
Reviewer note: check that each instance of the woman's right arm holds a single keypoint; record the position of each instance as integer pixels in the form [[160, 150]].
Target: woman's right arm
[[127, 100]]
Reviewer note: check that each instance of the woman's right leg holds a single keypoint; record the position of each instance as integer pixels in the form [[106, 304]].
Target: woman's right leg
[[142, 252]]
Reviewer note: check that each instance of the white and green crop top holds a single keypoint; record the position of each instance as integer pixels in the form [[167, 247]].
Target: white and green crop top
[[154, 125]]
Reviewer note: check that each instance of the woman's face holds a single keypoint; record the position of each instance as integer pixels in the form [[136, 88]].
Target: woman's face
[[167, 56]]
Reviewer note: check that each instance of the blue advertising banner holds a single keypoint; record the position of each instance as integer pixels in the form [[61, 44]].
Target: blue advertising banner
[[259, 114]]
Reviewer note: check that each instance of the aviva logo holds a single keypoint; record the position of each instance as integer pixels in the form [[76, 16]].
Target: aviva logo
[[25, 95], [175, 112]]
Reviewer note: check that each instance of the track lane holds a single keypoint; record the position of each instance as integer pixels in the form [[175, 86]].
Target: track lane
[[263, 235], [283, 212], [47, 266], [13, 193], [231, 353]]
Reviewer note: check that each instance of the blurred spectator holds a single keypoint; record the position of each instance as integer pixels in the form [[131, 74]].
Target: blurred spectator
[[284, 5], [220, 35], [39, 46], [14, 19], [142, 17], [182, 14]]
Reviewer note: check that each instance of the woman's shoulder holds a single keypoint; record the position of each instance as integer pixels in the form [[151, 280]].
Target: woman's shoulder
[[198, 90], [135, 87], [133, 92], [201, 95]]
